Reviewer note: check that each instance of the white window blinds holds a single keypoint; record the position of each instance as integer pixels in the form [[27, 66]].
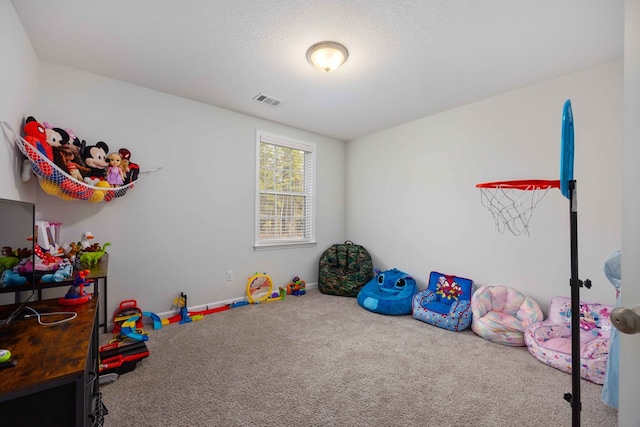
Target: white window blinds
[[285, 183]]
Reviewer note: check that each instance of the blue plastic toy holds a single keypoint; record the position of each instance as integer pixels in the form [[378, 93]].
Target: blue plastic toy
[[128, 330], [157, 322]]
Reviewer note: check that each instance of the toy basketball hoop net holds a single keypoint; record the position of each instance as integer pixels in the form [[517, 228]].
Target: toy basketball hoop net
[[511, 203]]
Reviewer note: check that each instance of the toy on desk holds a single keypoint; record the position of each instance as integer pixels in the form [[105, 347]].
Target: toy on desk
[[76, 294], [62, 273], [45, 260], [8, 251], [8, 262], [87, 253], [5, 359], [85, 240], [9, 257], [91, 258], [71, 250], [11, 278]]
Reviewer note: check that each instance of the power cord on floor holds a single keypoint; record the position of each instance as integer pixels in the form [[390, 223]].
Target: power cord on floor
[[72, 315]]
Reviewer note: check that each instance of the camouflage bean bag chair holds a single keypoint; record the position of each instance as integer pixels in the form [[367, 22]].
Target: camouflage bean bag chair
[[344, 269]]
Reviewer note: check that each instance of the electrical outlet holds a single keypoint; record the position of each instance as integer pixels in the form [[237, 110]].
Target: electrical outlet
[[229, 274]]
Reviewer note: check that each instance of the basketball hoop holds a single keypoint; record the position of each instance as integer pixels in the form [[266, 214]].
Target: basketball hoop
[[511, 203]]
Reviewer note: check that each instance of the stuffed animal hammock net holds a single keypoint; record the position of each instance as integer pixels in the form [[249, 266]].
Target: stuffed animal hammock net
[[57, 182]]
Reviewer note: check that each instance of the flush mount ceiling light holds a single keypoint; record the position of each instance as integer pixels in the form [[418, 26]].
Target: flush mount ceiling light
[[327, 56]]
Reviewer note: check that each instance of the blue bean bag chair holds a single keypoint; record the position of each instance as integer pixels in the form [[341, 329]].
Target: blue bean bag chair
[[445, 303], [389, 292]]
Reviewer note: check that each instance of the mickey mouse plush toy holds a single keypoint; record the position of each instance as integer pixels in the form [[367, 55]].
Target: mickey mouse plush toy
[[95, 157]]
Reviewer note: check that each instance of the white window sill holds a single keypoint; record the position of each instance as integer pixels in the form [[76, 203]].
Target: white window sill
[[283, 245]]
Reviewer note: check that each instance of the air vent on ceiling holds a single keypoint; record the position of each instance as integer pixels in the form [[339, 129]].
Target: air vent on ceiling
[[266, 99]]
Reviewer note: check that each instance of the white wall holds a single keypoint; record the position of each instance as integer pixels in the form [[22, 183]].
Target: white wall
[[19, 89], [181, 228], [412, 199], [629, 411]]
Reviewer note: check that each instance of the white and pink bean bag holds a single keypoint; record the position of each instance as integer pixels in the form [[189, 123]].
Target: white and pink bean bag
[[501, 314], [550, 341]]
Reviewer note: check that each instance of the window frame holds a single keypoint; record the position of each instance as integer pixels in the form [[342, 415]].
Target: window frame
[[310, 191]]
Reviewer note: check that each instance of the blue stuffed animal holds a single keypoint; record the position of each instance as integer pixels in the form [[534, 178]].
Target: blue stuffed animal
[[61, 274], [12, 278], [389, 292]]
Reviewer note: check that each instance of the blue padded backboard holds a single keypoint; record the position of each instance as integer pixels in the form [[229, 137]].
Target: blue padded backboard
[[566, 149]]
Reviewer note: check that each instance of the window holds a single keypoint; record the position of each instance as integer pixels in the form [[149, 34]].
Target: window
[[284, 191]]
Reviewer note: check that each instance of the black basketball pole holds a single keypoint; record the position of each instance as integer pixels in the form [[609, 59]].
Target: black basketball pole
[[574, 397]]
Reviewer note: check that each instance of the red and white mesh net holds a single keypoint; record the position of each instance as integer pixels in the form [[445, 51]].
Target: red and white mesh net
[[510, 207], [57, 182]]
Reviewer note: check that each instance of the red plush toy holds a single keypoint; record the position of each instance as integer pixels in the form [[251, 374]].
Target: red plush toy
[[35, 135]]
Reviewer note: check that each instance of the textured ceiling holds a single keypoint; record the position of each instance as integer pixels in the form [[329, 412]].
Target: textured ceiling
[[407, 58]]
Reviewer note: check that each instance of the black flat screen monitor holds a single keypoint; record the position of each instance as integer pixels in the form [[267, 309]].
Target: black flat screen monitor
[[17, 243]]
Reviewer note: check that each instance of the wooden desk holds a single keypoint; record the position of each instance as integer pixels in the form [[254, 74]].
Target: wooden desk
[[55, 381]]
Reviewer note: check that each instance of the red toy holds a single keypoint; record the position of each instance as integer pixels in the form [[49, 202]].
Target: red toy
[[126, 309], [36, 136], [121, 358], [76, 294]]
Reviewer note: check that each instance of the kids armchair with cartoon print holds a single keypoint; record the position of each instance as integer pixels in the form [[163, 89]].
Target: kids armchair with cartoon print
[[549, 341], [445, 303], [501, 314]]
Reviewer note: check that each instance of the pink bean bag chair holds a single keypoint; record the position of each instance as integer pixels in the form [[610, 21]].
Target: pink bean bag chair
[[501, 314], [550, 341]]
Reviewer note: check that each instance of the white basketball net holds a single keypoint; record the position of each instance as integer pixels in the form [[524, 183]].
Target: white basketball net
[[512, 208]]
